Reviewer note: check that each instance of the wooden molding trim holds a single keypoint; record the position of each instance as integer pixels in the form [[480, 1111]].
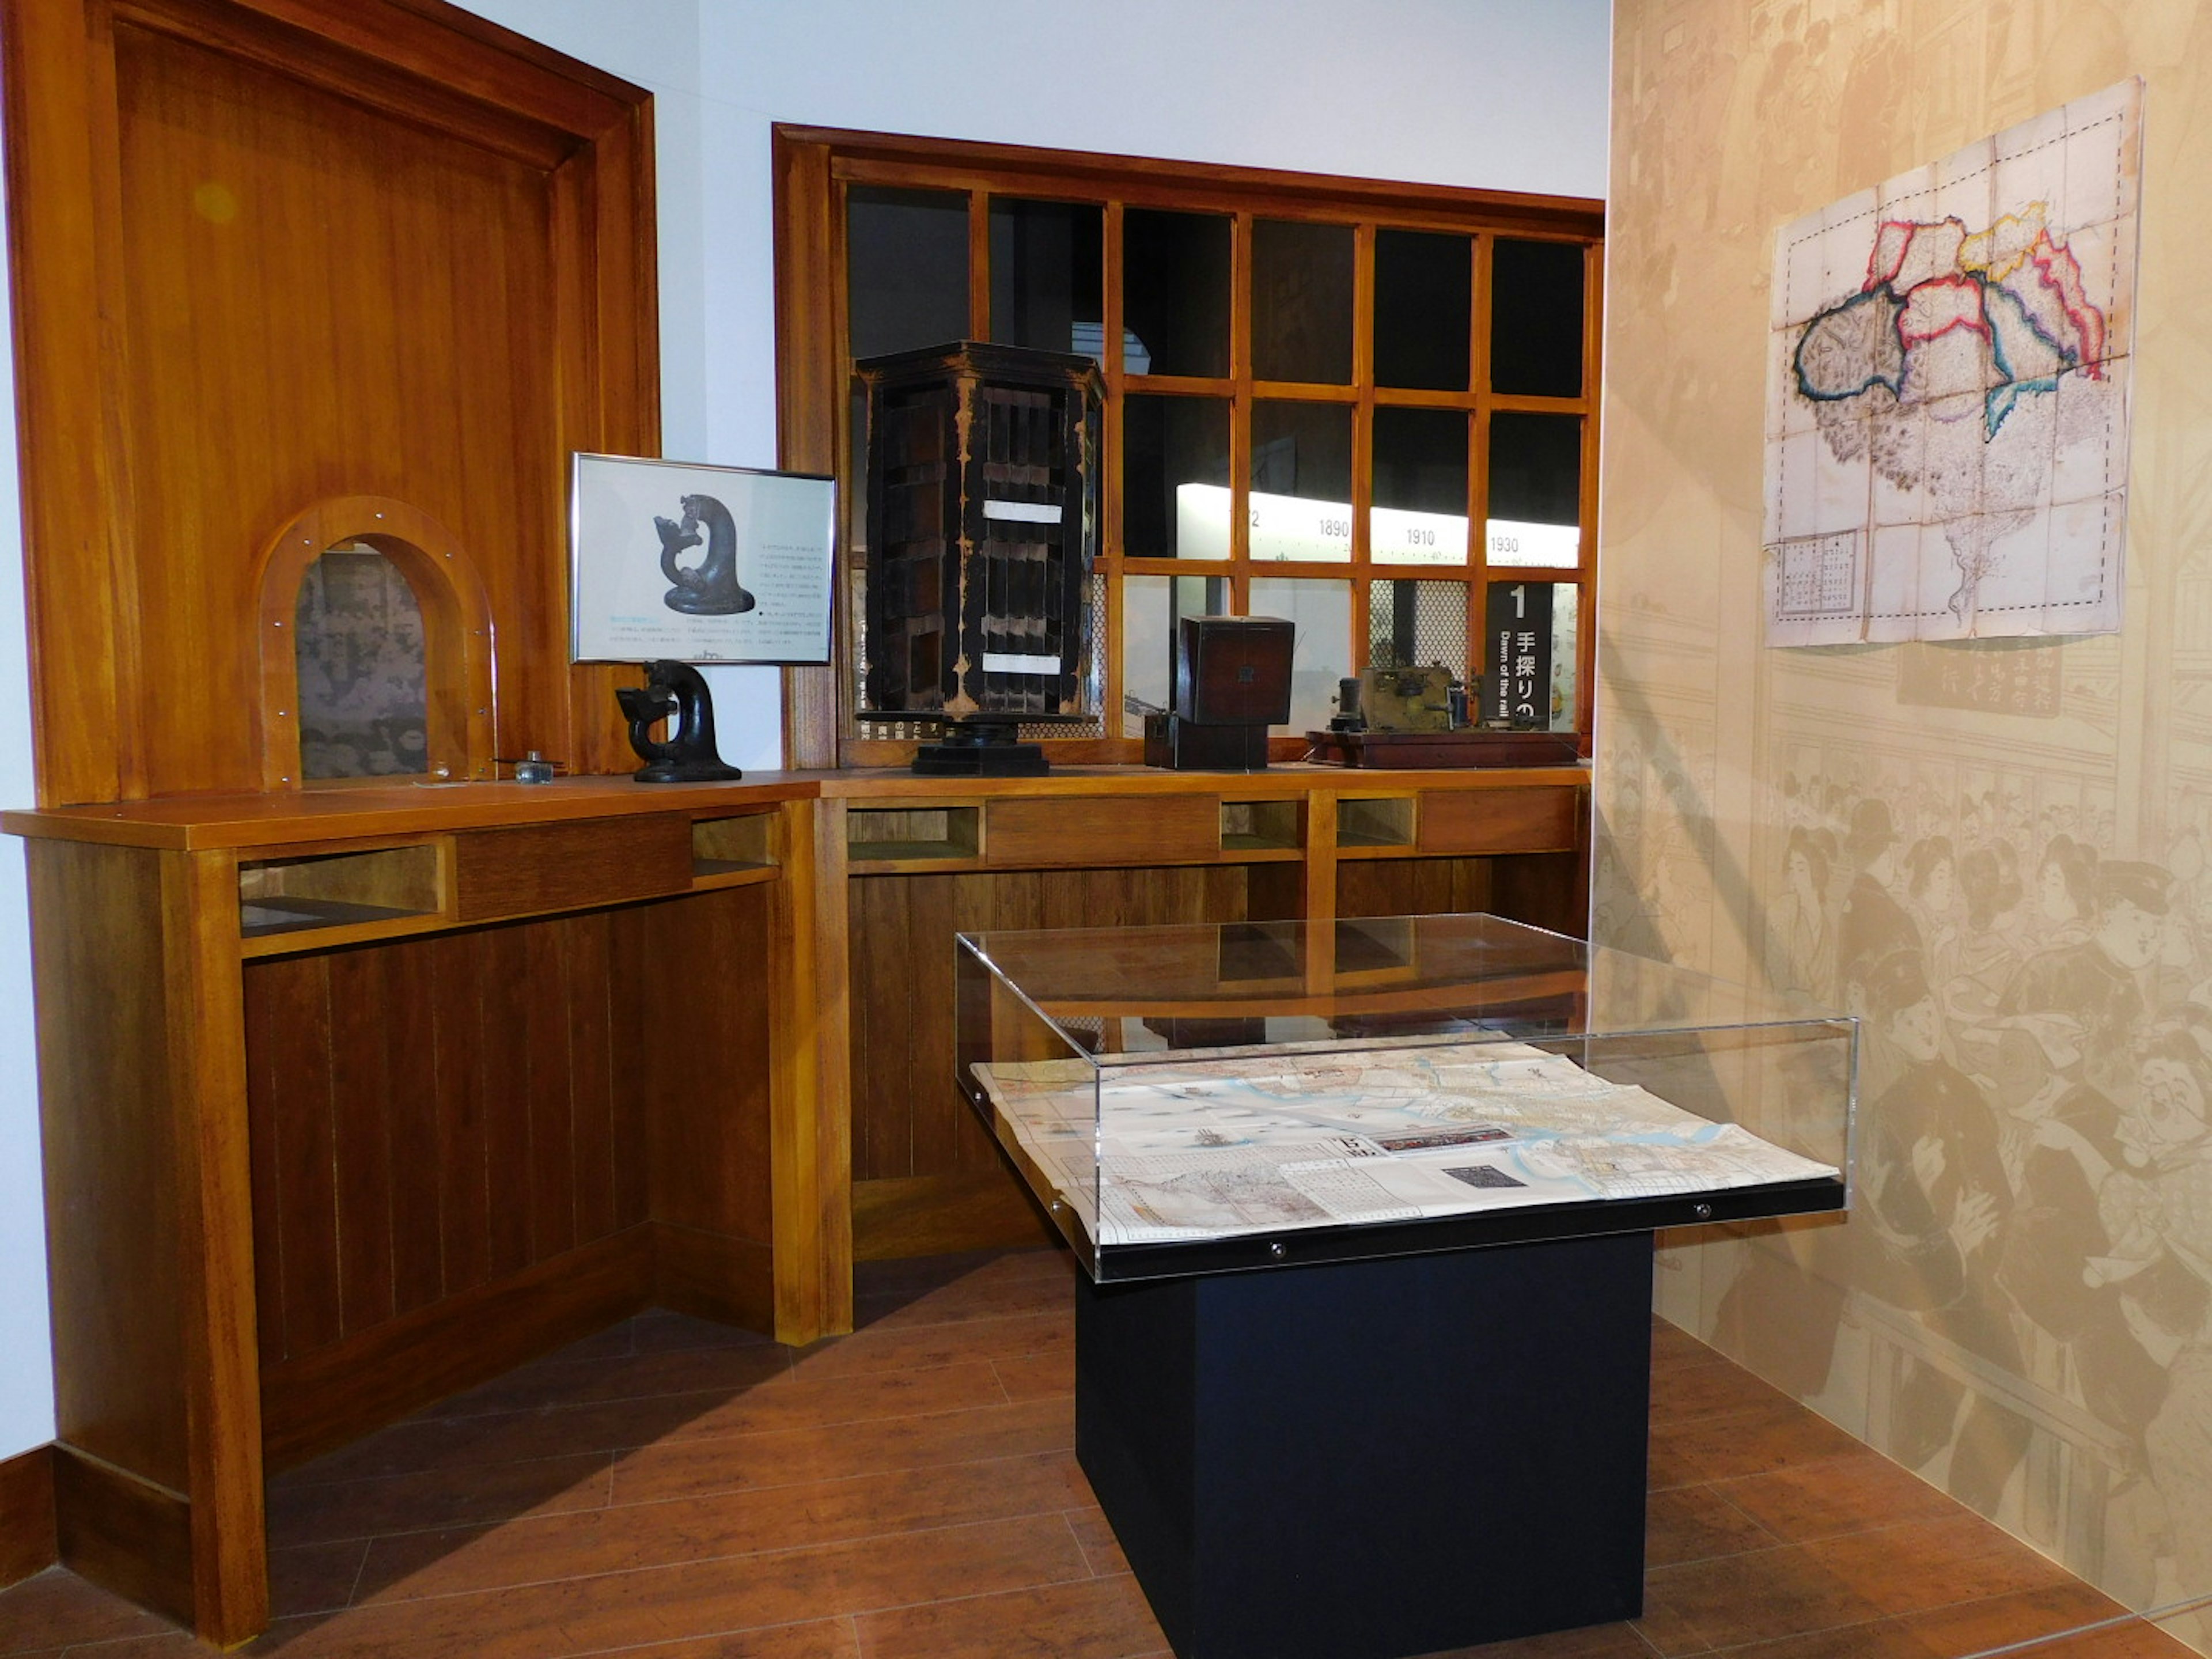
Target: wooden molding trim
[[29, 1540], [311, 1405], [125, 1534], [713, 1276], [457, 629], [423, 60], [931, 1215], [805, 382], [886, 152]]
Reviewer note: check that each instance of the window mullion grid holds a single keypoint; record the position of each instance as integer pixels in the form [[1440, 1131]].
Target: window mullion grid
[[1586, 576], [848, 462], [1478, 469], [1112, 694], [1240, 413], [978, 264], [1363, 437]]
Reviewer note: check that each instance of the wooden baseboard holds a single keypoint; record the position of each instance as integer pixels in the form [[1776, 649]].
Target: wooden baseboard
[[930, 1215], [28, 1543], [124, 1534], [713, 1276], [312, 1405]]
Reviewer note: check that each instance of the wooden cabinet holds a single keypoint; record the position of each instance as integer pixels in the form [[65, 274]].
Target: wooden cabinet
[[1097, 847], [355, 1098]]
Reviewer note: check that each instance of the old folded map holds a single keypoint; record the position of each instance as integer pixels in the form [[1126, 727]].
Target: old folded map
[[1316, 1135]]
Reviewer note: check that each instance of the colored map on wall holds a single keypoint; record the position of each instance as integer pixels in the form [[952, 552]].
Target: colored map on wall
[[1946, 428]]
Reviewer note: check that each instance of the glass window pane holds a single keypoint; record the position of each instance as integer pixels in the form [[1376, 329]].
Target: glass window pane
[[358, 648], [1301, 505], [1302, 301], [906, 268], [1419, 465], [1174, 293], [1536, 318], [1535, 490], [1322, 612], [1048, 276], [1424, 299], [1412, 624], [1150, 608], [1528, 656], [1175, 478]]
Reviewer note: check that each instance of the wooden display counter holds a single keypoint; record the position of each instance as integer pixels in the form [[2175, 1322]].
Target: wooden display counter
[[353, 1097]]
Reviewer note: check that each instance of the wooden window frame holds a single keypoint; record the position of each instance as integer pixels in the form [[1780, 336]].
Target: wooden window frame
[[814, 167]]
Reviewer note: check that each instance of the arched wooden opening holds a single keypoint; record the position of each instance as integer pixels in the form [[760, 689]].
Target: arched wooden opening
[[457, 631]]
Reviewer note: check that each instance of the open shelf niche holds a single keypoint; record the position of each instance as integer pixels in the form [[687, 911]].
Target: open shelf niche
[[1375, 821], [358, 892], [727, 852], [912, 835]]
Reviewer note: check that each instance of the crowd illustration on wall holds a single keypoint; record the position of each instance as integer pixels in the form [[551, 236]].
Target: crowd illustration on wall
[[2032, 1246]]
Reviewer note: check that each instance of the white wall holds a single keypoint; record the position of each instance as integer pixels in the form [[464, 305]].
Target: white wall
[[27, 1372], [1507, 94]]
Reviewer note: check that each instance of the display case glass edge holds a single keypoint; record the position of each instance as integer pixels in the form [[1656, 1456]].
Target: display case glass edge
[[1094, 1053]]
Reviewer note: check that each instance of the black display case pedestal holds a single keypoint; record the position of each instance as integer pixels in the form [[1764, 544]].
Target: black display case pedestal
[[1376, 1459]]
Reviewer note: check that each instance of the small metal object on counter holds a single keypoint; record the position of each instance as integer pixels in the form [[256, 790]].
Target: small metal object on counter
[[531, 767], [1349, 716]]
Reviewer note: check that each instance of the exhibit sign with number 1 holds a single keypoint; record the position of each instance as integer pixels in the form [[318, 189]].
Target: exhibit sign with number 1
[[1516, 679]]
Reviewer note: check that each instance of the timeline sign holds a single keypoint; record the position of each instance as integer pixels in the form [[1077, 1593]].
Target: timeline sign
[[1516, 672]]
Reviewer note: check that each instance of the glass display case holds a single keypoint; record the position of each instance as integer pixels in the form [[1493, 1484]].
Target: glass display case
[[1363, 1357], [1214, 1097]]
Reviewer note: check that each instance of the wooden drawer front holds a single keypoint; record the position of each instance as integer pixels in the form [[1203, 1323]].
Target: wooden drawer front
[[1499, 820], [566, 867], [1103, 830]]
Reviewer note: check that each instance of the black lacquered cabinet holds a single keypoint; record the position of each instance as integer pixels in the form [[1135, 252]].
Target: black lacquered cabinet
[[983, 490]]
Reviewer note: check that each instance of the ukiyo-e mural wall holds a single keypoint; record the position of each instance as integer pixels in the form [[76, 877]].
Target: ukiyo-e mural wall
[[1999, 852]]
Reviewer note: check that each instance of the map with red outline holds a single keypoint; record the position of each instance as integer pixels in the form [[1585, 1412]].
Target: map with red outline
[[1947, 419]]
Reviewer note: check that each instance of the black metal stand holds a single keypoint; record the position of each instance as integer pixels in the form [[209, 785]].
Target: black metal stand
[[675, 692], [982, 749], [1368, 1460]]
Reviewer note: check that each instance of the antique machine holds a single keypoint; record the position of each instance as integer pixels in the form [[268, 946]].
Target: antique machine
[[1410, 699], [982, 493]]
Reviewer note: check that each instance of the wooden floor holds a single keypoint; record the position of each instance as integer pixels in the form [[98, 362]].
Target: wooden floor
[[675, 1490]]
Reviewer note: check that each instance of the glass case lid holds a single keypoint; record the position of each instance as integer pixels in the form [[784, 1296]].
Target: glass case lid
[[1364, 977], [1206, 1097]]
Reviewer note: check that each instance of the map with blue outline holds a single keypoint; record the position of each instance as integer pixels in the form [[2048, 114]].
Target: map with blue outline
[[1947, 437]]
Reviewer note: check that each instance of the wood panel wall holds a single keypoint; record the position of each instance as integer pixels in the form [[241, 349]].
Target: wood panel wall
[[27, 1515], [1542, 889], [437, 1122], [430, 1114], [928, 1176], [268, 253], [109, 1110], [907, 1118]]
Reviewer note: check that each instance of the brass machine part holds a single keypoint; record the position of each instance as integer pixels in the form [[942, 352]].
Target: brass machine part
[[1406, 699]]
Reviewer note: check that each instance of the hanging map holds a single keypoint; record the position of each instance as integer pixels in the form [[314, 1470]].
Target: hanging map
[[1946, 426]]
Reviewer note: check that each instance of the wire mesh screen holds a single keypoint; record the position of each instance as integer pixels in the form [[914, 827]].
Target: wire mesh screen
[[1412, 624], [1094, 671]]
